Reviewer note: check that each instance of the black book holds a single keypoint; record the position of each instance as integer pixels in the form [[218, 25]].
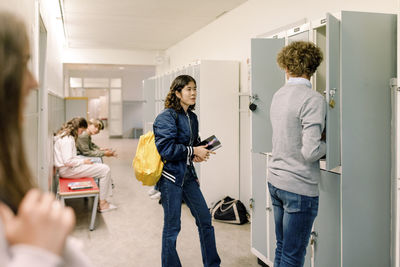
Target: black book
[[212, 143]]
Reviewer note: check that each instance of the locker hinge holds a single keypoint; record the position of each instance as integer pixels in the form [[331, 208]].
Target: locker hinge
[[393, 84]]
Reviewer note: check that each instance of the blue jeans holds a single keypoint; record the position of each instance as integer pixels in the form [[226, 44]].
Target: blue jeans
[[171, 200], [294, 216]]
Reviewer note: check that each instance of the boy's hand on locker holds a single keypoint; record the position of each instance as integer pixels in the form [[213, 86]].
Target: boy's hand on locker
[[323, 135]]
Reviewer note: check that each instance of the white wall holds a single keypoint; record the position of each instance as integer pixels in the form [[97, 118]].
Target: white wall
[[52, 81], [228, 38], [55, 41], [132, 117], [109, 56], [132, 83]]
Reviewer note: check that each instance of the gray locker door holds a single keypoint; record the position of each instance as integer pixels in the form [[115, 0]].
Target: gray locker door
[[259, 236], [266, 79], [149, 87], [327, 223], [368, 62], [333, 92]]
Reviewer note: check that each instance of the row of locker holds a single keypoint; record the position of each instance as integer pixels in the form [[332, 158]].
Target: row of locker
[[163, 83], [354, 226]]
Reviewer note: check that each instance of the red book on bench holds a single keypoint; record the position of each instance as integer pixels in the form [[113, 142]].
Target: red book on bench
[[65, 181]]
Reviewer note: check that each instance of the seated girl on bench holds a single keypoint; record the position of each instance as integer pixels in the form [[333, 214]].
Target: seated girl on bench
[[72, 166]]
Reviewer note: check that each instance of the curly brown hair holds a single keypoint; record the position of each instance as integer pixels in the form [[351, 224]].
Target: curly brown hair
[[172, 101], [71, 127], [300, 58]]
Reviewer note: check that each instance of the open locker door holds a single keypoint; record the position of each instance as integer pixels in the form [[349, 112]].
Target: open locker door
[[266, 79], [332, 92]]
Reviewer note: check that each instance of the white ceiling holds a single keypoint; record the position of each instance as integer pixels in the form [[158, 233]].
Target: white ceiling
[[138, 24]]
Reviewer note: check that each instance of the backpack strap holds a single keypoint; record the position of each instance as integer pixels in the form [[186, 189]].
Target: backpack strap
[[175, 115]]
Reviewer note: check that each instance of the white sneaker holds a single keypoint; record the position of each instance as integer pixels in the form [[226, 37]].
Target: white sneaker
[[152, 191], [110, 207], [156, 195]]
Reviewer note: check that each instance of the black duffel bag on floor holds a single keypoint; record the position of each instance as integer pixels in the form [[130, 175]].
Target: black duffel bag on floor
[[229, 210]]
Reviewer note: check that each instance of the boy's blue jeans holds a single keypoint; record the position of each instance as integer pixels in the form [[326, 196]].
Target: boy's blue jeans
[[171, 200], [294, 216]]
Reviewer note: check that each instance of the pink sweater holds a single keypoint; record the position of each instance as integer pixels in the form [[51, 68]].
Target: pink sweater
[[25, 255]]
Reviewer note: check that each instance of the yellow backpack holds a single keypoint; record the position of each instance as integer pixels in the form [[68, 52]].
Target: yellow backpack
[[147, 162]]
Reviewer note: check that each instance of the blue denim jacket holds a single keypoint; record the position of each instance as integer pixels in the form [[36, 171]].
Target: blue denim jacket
[[176, 133]]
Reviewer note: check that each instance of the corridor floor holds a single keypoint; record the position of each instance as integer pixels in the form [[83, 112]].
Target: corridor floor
[[131, 235]]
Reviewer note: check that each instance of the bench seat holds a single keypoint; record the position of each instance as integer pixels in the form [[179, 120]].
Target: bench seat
[[64, 192]]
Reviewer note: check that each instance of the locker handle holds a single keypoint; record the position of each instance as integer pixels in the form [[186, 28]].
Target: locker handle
[[252, 99], [332, 92], [313, 238]]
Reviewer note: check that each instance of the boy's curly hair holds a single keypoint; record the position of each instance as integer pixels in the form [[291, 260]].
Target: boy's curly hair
[[300, 58]]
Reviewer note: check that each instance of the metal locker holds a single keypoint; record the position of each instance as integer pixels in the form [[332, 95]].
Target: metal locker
[[332, 92], [353, 224], [259, 238], [327, 224], [368, 61], [266, 79], [149, 90]]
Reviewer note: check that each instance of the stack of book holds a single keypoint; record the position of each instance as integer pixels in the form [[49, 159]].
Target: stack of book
[[80, 185]]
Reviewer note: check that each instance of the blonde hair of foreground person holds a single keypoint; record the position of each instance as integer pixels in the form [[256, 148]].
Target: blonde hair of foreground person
[[33, 226]]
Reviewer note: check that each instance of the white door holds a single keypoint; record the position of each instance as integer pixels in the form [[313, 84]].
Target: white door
[[115, 118]]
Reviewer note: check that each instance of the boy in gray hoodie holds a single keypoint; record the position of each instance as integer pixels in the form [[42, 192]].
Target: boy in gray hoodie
[[297, 116]]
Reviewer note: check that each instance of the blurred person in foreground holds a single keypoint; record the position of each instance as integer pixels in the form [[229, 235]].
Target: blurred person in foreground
[[34, 227]]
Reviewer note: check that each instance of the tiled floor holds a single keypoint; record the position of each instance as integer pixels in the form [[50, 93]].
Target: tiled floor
[[131, 235]]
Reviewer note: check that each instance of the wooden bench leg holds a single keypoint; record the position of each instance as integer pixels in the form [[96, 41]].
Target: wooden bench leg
[[94, 211]]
